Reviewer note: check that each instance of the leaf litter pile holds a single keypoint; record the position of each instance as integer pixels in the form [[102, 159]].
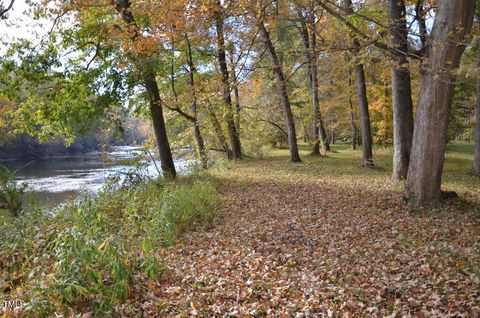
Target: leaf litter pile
[[290, 242]]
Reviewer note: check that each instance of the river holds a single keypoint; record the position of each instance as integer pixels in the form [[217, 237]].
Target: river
[[52, 181]]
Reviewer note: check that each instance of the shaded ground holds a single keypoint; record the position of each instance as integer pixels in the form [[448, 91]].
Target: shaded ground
[[324, 238]]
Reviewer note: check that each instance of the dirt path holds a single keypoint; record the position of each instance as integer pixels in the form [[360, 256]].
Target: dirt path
[[297, 245]]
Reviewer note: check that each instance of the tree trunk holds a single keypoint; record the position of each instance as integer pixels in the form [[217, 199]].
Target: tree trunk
[[453, 21], [401, 90], [352, 112], [309, 42], [476, 162], [318, 124], [367, 142], [306, 137], [227, 98], [353, 126], [235, 90], [166, 159], [220, 136], [202, 153], [282, 90]]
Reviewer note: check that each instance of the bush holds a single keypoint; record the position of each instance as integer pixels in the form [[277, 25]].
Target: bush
[[85, 257], [11, 192]]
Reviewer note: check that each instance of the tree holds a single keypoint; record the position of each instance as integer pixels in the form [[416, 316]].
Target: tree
[[353, 125], [308, 31], [453, 22], [235, 87], [5, 7], [281, 88], [401, 90], [476, 162], [191, 75], [360, 81], [227, 97], [149, 76]]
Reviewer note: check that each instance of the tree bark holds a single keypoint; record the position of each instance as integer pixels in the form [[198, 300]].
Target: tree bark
[[309, 42], [367, 142], [401, 90], [352, 112], [227, 98], [453, 22], [220, 136], [202, 153], [166, 160], [282, 90], [235, 90], [476, 162], [353, 125]]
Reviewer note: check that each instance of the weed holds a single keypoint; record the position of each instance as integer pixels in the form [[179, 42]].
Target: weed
[[85, 257]]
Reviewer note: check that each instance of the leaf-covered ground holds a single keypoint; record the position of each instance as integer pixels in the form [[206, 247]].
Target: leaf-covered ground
[[323, 238]]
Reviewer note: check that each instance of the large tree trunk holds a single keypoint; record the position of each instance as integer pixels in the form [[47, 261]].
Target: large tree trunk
[[401, 90], [309, 42], [282, 90], [453, 21], [166, 159], [367, 142], [227, 98], [202, 153], [476, 162]]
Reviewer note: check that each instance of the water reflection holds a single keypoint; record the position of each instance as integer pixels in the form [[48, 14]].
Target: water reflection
[[55, 180]]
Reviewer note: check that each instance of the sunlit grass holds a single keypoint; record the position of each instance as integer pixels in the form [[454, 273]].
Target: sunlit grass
[[344, 165]]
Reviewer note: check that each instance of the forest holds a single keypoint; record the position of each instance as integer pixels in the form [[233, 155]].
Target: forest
[[316, 158]]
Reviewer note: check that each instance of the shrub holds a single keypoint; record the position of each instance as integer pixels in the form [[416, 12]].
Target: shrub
[[11, 192], [86, 255]]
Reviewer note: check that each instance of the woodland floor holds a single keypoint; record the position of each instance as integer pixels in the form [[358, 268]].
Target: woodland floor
[[323, 238]]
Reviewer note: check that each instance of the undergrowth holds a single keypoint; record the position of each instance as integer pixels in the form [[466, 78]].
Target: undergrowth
[[84, 256]]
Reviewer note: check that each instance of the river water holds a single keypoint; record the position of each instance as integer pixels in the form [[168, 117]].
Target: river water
[[52, 181]]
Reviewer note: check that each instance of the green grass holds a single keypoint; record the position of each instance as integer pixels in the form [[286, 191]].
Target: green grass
[[86, 256], [344, 166]]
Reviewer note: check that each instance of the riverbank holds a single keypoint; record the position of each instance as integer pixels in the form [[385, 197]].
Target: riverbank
[[324, 237], [87, 256], [55, 180]]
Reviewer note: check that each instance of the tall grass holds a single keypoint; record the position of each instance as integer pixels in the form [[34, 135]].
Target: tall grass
[[11, 192], [86, 255]]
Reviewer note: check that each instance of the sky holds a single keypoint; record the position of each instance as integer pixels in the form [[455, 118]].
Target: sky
[[20, 24]]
